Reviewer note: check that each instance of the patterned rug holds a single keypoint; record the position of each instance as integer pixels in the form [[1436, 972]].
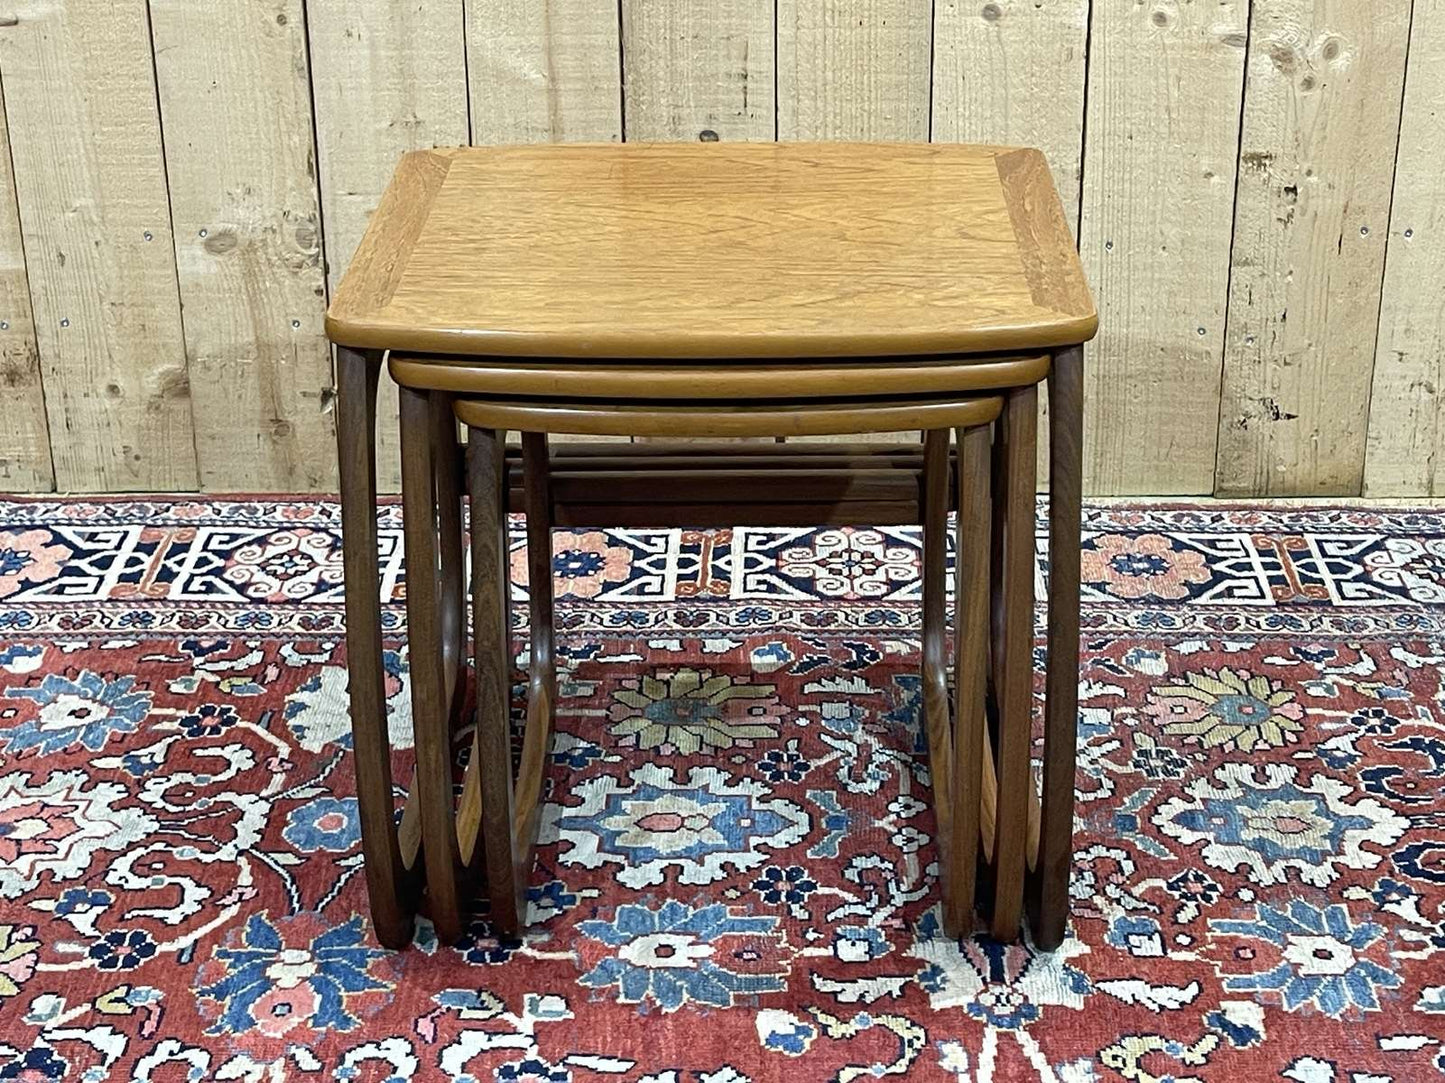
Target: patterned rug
[[737, 878]]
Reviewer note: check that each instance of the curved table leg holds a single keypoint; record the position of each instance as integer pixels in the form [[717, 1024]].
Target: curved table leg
[[487, 802], [937, 725], [390, 877], [510, 810], [542, 683], [430, 721], [453, 601], [1049, 889], [971, 645], [1014, 670]]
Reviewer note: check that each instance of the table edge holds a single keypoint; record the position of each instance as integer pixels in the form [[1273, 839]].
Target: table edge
[[702, 345]]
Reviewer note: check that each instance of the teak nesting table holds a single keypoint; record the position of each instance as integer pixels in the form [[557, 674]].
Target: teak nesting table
[[710, 292]]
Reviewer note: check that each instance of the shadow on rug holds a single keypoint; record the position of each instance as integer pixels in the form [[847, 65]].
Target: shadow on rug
[[736, 880]]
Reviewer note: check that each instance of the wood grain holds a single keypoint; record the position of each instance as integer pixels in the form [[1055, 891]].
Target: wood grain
[[1406, 440], [642, 382], [970, 660], [1039, 217], [449, 483], [1317, 152], [377, 267], [386, 79], [937, 717], [1015, 667], [853, 69], [85, 139], [544, 72], [1164, 90], [430, 720], [24, 434], [389, 886], [716, 251], [1053, 831], [492, 743], [241, 161], [698, 70], [542, 676], [1012, 72]]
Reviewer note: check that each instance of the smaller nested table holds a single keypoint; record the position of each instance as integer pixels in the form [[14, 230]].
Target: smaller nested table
[[714, 291]]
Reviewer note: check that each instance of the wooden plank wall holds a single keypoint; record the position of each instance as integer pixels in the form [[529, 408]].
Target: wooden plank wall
[[1405, 444], [1254, 184]]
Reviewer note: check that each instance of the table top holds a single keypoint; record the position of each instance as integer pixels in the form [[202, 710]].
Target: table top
[[716, 250]]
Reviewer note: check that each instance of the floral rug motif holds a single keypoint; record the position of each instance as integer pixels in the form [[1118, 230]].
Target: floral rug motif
[[737, 877]]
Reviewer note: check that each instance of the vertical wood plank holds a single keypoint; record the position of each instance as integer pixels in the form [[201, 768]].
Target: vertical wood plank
[[1012, 72], [543, 73], [854, 70], [386, 79], [90, 177], [1159, 167], [24, 435], [235, 101], [698, 70], [1317, 159], [1405, 453]]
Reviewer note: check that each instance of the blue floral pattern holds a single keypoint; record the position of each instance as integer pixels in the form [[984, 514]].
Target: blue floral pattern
[[316, 977], [1322, 958], [676, 954], [324, 823], [85, 710]]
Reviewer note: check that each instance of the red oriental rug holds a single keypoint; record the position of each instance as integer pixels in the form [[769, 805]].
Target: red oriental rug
[[737, 877]]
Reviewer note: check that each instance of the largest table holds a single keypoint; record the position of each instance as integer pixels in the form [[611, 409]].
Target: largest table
[[739, 290]]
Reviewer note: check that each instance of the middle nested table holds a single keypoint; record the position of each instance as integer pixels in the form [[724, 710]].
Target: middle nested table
[[714, 292]]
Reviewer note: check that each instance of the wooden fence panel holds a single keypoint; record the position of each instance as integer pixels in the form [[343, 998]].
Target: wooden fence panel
[[544, 73], [1317, 158], [24, 435], [1159, 167], [1406, 442], [854, 70], [90, 179], [1270, 317], [1012, 72], [240, 156], [386, 79], [698, 70]]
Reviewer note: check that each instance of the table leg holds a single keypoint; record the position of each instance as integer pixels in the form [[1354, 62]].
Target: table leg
[[971, 647], [1015, 668], [449, 484], [937, 728], [1049, 891], [542, 682], [428, 679], [389, 879], [491, 636]]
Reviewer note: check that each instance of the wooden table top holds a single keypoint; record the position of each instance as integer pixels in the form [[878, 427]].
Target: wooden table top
[[713, 250]]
